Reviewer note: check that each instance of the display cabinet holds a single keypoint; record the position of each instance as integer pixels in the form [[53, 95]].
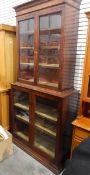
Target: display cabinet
[[46, 43]]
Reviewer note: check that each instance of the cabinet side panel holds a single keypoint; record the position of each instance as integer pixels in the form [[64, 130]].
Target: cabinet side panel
[[2, 59], [4, 111], [10, 58], [70, 45]]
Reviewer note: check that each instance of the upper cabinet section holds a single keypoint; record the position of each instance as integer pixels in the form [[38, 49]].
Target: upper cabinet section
[[47, 40]]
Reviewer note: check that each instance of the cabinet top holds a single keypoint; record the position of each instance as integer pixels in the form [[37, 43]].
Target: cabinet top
[[7, 28], [35, 3]]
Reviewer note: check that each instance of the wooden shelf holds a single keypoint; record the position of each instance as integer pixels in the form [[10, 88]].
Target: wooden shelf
[[27, 33], [49, 114], [50, 47], [50, 31], [46, 112], [27, 64], [48, 84], [44, 149], [23, 118], [49, 56], [22, 135], [31, 33], [45, 130], [42, 115], [45, 65], [30, 80], [21, 106], [26, 47]]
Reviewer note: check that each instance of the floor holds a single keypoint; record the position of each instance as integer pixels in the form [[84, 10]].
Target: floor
[[20, 163]]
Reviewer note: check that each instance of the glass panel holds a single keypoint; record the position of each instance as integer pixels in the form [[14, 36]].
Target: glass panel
[[49, 50], [44, 22], [46, 108], [31, 25], [45, 124], [21, 114], [45, 143], [21, 105], [26, 29], [21, 129], [55, 21], [48, 77]]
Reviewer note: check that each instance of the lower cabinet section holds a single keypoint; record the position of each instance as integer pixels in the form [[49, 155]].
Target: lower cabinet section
[[38, 121]]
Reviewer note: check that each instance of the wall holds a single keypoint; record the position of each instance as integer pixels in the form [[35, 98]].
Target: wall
[[7, 13]]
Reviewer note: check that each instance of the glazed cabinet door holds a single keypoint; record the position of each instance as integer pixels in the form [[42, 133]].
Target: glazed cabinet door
[[21, 113], [26, 50], [45, 125], [39, 49], [49, 49]]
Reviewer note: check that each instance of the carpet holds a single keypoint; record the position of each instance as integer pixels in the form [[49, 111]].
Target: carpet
[[20, 163]]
